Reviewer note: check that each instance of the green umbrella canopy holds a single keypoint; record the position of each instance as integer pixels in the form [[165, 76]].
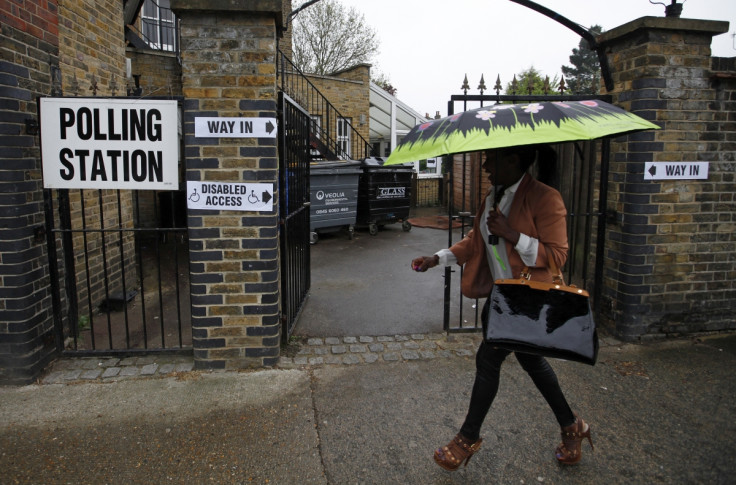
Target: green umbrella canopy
[[504, 125]]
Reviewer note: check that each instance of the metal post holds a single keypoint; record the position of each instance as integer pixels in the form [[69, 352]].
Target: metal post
[[601, 238]]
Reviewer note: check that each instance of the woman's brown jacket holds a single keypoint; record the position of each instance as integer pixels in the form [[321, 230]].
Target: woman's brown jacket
[[537, 211]]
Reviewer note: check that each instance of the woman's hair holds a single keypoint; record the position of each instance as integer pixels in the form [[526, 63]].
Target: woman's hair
[[543, 154], [546, 165]]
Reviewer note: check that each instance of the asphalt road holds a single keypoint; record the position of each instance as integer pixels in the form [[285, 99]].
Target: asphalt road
[[365, 286]]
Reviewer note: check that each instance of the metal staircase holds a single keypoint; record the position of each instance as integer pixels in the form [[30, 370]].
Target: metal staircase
[[331, 136]]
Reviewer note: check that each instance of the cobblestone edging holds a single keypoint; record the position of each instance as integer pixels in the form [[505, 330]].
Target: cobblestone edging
[[309, 352], [367, 349], [303, 352], [108, 369]]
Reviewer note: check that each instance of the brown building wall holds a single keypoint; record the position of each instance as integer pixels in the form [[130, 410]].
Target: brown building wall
[[92, 47], [349, 92], [159, 71]]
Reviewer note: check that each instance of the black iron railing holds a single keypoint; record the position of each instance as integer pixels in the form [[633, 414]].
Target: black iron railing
[[294, 197]]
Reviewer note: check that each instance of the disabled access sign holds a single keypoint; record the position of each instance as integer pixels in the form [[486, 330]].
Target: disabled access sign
[[229, 196]]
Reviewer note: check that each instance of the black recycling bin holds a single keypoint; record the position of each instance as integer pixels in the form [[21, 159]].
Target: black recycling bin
[[333, 197], [384, 195]]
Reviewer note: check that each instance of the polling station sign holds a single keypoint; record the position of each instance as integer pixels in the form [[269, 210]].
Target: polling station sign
[[104, 143]]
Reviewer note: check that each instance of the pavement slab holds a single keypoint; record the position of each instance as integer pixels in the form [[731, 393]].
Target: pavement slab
[[660, 413]]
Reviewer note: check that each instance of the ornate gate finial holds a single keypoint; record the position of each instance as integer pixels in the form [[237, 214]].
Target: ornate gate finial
[[93, 85], [465, 87], [514, 85]]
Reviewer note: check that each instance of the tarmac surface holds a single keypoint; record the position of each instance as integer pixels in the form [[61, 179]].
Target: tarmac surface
[[369, 406], [365, 286]]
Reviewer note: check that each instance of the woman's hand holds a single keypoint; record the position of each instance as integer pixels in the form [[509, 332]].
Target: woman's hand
[[498, 224], [423, 263]]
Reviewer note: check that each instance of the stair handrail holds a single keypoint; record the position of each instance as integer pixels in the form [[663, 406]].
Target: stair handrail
[[311, 99]]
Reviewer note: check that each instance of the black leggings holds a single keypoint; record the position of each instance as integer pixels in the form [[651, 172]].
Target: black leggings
[[488, 362]]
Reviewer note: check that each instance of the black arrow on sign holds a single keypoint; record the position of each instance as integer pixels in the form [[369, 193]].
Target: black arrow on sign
[[653, 170], [269, 127], [266, 197]]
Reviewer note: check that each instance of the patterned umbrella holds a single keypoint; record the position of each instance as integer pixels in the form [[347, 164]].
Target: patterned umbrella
[[504, 125]]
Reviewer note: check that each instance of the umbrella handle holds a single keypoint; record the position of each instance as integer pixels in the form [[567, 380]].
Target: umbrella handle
[[498, 194]]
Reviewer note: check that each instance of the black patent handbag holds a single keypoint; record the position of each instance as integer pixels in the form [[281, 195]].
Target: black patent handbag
[[548, 319]]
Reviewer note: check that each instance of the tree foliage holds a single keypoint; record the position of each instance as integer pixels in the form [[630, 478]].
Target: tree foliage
[[328, 37], [584, 76], [531, 78], [384, 83]]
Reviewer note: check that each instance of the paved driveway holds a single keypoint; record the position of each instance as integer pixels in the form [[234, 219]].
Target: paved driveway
[[365, 286]]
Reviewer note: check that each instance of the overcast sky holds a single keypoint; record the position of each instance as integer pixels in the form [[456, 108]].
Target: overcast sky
[[427, 46]]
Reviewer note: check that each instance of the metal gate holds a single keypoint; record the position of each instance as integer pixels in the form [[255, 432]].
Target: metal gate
[[119, 267], [579, 166], [294, 161]]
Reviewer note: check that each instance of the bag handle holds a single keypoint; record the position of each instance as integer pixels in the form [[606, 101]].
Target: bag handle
[[557, 274]]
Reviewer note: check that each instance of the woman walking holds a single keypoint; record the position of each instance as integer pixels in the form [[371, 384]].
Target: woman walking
[[521, 224]]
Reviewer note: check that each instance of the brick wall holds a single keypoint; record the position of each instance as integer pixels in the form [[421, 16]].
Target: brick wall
[[669, 261], [92, 47], [228, 65], [428, 192], [159, 71], [92, 60], [28, 52], [285, 41]]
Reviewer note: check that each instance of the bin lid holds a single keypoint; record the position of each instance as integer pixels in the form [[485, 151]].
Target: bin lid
[[377, 162], [333, 166]]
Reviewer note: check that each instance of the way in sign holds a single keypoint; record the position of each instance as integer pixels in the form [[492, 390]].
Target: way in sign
[[675, 170], [680, 170], [205, 127], [229, 126]]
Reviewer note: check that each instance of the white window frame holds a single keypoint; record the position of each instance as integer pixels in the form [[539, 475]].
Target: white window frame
[[153, 23], [343, 137], [315, 128]]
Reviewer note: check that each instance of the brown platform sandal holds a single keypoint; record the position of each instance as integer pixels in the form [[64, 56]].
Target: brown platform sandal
[[458, 450], [569, 452]]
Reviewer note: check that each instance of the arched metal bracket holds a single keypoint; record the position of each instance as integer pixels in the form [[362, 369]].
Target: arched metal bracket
[[581, 31]]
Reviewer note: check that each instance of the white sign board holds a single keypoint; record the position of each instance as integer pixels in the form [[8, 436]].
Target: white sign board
[[234, 127], [103, 143], [229, 196], [676, 170]]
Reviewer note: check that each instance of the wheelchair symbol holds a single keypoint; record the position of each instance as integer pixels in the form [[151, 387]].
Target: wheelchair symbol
[[195, 196], [253, 198]]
